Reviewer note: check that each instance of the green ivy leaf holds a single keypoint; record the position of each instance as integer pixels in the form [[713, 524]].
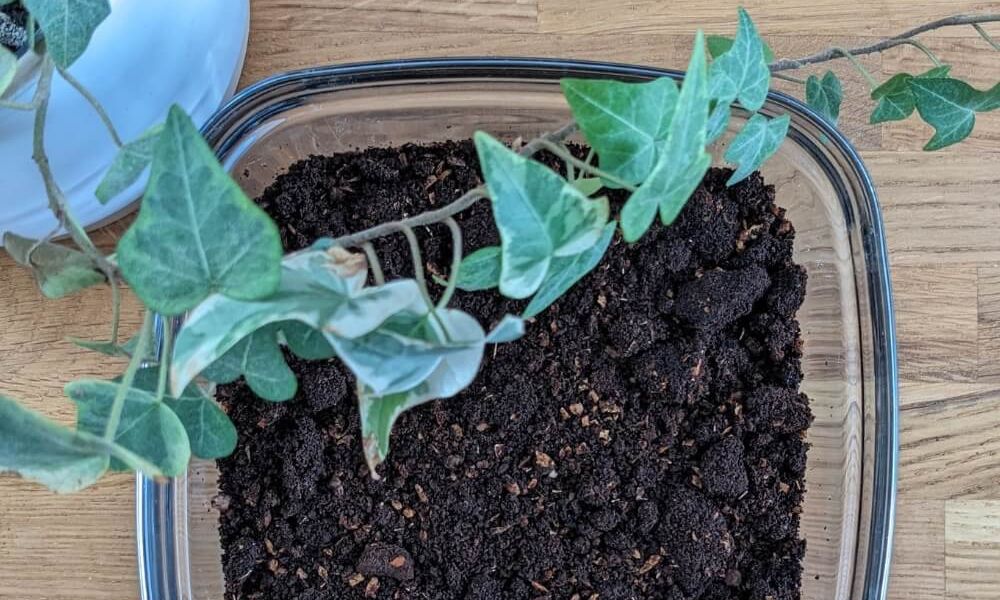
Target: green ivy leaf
[[588, 186], [741, 72], [131, 160], [718, 121], [623, 122], [305, 341], [509, 328], [720, 44], [38, 449], [759, 139], [683, 161], [148, 428], [539, 215], [950, 106], [258, 358], [59, 270], [68, 25], [8, 68], [824, 95], [480, 270], [197, 232], [566, 271], [322, 289], [895, 98], [455, 371]]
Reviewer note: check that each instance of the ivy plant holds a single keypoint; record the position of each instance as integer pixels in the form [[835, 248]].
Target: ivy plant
[[209, 262]]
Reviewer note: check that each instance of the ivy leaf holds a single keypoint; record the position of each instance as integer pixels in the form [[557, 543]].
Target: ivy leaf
[[148, 428], [306, 342], [131, 160], [588, 186], [623, 122], [453, 374], [824, 95], [895, 98], [258, 358], [209, 430], [510, 327], [480, 270], [949, 106], [68, 25], [197, 232], [566, 271], [683, 161], [718, 121], [539, 215], [8, 68], [59, 270], [759, 139], [741, 72], [720, 44], [41, 450], [322, 289]]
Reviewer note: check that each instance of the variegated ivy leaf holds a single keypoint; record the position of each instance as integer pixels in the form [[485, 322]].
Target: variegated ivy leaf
[[480, 270], [197, 233], [41, 450], [824, 95], [453, 373], [684, 160], [755, 143], [741, 72], [131, 160], [258, 359], [8, 68], [950, 106], [566, 271], [148, 428], [68, 25], [538, 213], [322, 289], [59, 270], [895, 98], [624, 123], [509, 328]]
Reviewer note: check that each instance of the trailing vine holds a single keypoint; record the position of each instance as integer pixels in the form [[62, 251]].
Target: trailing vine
[[202, 249]]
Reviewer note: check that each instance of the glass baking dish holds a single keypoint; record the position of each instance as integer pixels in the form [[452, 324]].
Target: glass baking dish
[[847, 319]]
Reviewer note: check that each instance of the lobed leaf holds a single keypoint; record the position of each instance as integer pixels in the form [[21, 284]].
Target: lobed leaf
[[258, 358], [824, 95], [480, 270], [895, 100], [755, 143], [197, 233], [539, 215], [624, 123], [720, 44], [741, 71], [566, 271], [950, 106], [68, 25], [131, 160], [59, 270]]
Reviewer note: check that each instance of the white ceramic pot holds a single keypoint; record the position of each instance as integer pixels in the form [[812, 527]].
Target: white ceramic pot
[[147, 55]]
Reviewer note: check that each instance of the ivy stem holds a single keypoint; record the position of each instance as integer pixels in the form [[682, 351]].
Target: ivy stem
[[418, 264], [456, 261], [30, 30], [791, 78], [561, 151], [94, 102], [26, 106], [116, 309], [872, 82], [115, 416], [918, 44], [986, 36], [459, 205], [374, 263], [164, 358]]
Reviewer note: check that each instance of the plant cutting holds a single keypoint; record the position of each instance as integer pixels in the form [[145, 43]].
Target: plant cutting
[[241, 306]]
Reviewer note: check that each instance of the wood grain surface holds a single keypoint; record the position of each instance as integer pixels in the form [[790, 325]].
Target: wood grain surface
[[942, 213]]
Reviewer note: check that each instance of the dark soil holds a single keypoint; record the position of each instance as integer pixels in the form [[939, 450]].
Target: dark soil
[[644, 440], [12, 26]]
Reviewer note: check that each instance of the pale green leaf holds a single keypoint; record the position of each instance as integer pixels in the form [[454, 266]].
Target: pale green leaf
[[480, 270], [588, 186], [719, 44], [623, 122], [68, 25], [718, 121], [148, 428], [38, 449], [511, 327], [741, 71], [258, 358], [197, 233], [8, 68], [305, 341], [824, 95], [755, 143], [566, 271], [131, 160], [683, 161], [949, 106], [539, 215], [59, 270]]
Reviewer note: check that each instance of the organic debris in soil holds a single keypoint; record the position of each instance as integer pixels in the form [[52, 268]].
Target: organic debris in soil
[[643, 440]]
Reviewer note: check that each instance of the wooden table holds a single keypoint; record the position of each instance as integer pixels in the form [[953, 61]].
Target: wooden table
[[942, 212]]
